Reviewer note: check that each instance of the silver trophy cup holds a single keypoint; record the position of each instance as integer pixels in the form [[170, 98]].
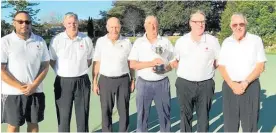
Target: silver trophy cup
[[159, 68]]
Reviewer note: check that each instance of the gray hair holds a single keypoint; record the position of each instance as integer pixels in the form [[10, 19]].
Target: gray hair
[[198, 12], [239, 15], [149, 18], [70, 14]]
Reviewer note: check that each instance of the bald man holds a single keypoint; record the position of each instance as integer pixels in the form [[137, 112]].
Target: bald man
[[241, 62], [115, 78], [152, 85]]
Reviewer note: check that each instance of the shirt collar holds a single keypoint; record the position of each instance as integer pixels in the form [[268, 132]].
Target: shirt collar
[[119, 39], [32, 37], [145, 37], [78, 37], [203, 39], [246, 36]]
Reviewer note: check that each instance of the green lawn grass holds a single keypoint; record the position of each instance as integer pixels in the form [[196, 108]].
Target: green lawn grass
[[267, 112]]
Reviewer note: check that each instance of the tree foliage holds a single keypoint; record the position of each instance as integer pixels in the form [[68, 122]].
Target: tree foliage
[[172, 15], [133, 18]]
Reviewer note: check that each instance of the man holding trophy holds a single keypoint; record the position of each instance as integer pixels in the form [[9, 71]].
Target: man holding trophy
[[150, 56]]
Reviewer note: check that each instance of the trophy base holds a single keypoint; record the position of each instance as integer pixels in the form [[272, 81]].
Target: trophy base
[[160, 69]]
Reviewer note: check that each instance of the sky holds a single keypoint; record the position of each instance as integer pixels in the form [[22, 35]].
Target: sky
[[83, 9]]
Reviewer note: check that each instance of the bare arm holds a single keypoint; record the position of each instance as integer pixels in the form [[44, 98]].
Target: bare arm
[[225, 75], [44, 67], [95, 71], [8, 78], [89, 62], [256, 72], [137, 65], [53, 63]]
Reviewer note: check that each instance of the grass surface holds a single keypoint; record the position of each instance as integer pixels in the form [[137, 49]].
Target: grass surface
[[267, 113]]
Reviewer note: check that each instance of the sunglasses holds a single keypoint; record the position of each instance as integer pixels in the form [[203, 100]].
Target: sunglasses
[[198, 22], [240, 24], [27, 22]]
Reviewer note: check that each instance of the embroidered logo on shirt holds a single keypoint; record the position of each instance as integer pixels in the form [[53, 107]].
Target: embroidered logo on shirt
[[81, 46]]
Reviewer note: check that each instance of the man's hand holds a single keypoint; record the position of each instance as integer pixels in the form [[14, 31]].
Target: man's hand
[[132, 86], [96, 89], [174, 64], [29, 89], [237, 88], [244, 85]]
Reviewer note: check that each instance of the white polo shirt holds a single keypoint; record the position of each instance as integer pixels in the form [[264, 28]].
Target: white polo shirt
[[240, 58], [113, 57], [71, 55], [196, 59], [23, 58], [143, 50]]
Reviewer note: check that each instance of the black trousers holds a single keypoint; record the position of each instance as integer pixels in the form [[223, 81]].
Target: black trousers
[[244, 108], [67, 90], [198, 94], [111, 88]]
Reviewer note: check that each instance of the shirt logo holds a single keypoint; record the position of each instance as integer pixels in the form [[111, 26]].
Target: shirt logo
[[81, 47]]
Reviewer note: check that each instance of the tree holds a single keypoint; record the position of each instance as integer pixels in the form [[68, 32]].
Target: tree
[[173, 15], [261, 17], [133, 17], [90, 28], [53, 18], [22, 5], [6, 28]]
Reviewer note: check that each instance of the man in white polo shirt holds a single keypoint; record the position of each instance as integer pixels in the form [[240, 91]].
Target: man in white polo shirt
[[196, 54], [241, 61], [24, 64], [71, 56], [110, 61], [150, 84]]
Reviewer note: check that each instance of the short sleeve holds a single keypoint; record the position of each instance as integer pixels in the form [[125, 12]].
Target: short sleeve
[[216, 48], [260, 51], [45, 54], [4, 51], [52, 49], [222, 55], [134, 52], [176, 52], [90, 48], [97, 53], [171, 51]]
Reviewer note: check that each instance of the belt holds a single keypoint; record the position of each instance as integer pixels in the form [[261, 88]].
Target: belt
[[116, 77]]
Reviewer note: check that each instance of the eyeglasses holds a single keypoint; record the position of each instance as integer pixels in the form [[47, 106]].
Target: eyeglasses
[[198, 22], [27, 22], [240, 24]]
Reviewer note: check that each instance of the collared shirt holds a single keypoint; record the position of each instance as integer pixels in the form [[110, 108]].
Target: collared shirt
[[23, 59], [71, 55], [196, 59], [112, 57], [240, 58], [144, 51]]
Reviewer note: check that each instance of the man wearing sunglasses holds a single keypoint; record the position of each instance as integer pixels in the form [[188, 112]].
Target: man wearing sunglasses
[[241, 61], [24, 65], [71, 57], [196, 54]]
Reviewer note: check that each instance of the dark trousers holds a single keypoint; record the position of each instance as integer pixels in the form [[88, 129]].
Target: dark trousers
[[244, 108], [67, 90], [159, 91], [198, 94], [111, 87]]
